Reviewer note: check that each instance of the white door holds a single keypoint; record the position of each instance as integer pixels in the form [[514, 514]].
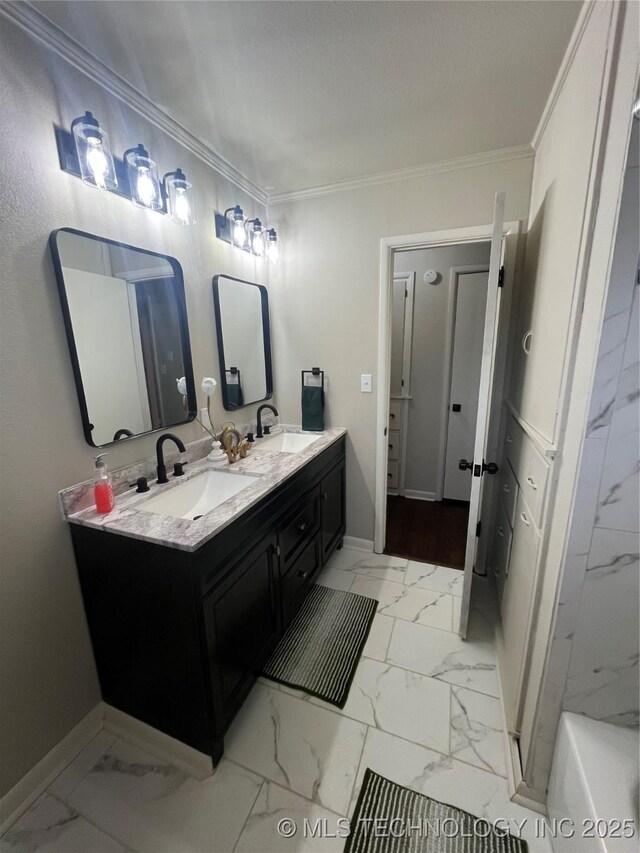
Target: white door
[[477, 465], [470, 306]]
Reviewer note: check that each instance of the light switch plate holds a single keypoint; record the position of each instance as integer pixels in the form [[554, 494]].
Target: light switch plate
[[366, 384]]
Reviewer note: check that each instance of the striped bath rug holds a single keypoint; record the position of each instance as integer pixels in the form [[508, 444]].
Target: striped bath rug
[[391, 819], [321, 648]]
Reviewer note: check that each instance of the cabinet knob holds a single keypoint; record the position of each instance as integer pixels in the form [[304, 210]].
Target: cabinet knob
[[525, 519], [501, 532], [532, 482], [506, 488], [302, 526], [276, 550], [302, 574]]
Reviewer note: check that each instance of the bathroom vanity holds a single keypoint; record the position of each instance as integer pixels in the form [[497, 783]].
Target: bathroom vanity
[[184, 613]]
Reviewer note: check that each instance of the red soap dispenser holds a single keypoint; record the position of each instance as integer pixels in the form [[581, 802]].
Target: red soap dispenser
[[102, 488]]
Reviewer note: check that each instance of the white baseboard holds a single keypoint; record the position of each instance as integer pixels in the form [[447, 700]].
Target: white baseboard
[[417, 495], [25, 792], [28, 789], [360, 544], [163, 746]]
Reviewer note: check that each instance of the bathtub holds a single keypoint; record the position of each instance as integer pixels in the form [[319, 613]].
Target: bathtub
[[594, 783]]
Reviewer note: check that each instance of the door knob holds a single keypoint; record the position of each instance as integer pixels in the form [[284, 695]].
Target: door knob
[[491, 468], [463, 465]]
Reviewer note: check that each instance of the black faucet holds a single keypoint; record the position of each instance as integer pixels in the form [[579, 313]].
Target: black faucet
[[261, 408], [168, 436]]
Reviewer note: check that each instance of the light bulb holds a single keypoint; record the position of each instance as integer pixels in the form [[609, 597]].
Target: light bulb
[[238, 231], [145, 189], [97, 162], [257, 243], [182, 210]]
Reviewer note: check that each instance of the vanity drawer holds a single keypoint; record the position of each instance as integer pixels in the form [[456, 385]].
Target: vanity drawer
[[508, 491], [502, 544], [530, 467], [394, 445], [298, 576], [395, 414], [300, 526], [392, 475]]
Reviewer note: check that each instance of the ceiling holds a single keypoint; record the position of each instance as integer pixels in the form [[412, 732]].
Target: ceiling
[[302, 94]]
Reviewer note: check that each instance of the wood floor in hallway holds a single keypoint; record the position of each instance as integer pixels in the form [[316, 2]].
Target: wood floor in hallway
[[429, 531]]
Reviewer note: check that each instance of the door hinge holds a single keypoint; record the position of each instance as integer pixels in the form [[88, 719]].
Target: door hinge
[[478, 528], [385, 430], [501, 277], [406, 293], [402, 383]]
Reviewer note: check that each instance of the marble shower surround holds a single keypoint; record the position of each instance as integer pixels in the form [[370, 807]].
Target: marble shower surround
[[270, 470], [593, 658]]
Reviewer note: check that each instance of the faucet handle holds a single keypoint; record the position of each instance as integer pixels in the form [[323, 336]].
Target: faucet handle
[[178, 469], [141, 484], [267, 429], [250, 437]]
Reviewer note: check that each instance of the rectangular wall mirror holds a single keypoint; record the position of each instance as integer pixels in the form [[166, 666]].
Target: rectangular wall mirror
[[244, 342], [126, 321]]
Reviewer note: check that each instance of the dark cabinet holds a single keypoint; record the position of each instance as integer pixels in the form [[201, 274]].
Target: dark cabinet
[[332, 493], [241, 625], [179, 638]]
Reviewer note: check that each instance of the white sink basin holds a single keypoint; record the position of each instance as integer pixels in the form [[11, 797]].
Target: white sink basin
[[199, 495], [284, 442]]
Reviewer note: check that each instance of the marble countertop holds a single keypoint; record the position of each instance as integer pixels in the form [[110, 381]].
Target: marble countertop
[[267, 470]]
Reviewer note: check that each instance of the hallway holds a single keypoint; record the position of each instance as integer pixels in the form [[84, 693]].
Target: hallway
[[428, 531]]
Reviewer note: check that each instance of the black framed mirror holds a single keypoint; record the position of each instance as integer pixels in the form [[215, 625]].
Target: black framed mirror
[[244, 341], [125, 317]]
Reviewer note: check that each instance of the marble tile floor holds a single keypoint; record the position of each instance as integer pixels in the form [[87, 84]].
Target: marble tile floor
[[423, 711]]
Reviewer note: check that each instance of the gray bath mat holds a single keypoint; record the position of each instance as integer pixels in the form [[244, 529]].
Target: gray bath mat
[[321, 648], [391, 819]]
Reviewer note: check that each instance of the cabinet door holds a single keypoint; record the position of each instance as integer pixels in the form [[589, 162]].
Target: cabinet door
[[333, 500], [241, 626], [517, 606]]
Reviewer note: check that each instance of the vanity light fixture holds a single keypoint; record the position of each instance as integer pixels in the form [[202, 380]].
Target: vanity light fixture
[[234, 227], [93, 151], [273, 249], [84, 151], [143, 178], [176, 192]]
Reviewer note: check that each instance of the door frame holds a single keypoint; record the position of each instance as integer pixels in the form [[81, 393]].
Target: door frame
[[428, 240], [409, 279], [454, 275]]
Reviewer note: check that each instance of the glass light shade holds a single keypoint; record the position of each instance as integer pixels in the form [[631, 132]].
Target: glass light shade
[[94, 153], [257, 242], [273, 249], [143, 179], [181, 202]]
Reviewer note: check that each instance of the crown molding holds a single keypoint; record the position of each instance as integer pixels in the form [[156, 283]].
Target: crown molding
[[469, 161], [40, 28], [567, 61]]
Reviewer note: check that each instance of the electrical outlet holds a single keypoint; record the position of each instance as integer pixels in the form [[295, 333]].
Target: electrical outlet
[[366, 383]]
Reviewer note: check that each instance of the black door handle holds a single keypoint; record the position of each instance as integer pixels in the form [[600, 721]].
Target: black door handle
[[463, 465], [491, 468]]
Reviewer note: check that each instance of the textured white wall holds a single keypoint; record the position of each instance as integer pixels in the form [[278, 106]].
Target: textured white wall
[[325, 292], [48, 675]]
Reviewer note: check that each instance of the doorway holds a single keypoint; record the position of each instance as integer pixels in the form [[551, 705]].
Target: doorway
[[437, 322], [503, 240]]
